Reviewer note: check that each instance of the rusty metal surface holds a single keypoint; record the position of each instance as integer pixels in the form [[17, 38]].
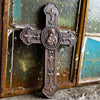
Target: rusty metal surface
[[4, 46], [27, 60], [69, 6], [1, 30], [17, 91], [1, 25], [13, 92], [51, 40]]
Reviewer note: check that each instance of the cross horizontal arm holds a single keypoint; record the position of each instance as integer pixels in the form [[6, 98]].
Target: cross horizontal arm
[[68, 38], [29, 36]]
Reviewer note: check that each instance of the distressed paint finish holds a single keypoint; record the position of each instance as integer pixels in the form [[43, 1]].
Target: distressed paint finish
[[89, 72], [1, 30], [23, 65], [1, 26], [11, 92], [90, 68], [28, 12], [93, 20]]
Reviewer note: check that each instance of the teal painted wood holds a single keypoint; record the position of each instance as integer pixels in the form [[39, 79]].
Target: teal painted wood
[[91, 59], [17, 11]]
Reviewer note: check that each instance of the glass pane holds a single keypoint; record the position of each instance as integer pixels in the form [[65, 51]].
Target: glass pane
[[93, 21], [64, 58], [25, 62], [90, 68], [29, 12]]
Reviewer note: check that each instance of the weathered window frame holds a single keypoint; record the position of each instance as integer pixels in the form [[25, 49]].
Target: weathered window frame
[[4, 91], [82, 34]]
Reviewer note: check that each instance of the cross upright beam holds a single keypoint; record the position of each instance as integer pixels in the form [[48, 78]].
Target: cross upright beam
[[51, 38]]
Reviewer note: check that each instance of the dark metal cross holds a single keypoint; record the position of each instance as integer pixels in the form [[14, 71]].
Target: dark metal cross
[[51, 37]]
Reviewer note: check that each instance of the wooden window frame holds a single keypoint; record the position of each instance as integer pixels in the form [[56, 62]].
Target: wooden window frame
[[82, 34], [11, 92]]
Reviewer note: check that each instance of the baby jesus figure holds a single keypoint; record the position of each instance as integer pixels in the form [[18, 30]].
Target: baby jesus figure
[[52, 39]]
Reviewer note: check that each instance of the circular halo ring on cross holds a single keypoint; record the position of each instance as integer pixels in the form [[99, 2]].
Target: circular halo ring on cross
[[51, 37]]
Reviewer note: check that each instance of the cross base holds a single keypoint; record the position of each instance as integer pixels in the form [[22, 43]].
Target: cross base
[[49, 91]]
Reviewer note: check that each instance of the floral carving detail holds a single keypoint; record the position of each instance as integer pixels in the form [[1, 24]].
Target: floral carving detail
[[29, 36], [51, 11], [68, 38], [50, 82]]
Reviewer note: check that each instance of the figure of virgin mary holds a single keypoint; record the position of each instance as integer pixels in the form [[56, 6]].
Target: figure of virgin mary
[[52, 38]]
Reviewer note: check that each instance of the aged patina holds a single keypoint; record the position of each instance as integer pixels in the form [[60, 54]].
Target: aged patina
[[51, 37]]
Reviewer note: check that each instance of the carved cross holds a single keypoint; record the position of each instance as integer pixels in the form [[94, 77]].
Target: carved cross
[[51, 37]]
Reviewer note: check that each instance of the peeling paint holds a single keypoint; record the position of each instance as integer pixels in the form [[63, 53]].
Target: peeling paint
[[90, 70], [95, 38]]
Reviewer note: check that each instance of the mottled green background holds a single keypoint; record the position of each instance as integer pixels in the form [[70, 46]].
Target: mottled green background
[[31, 12]]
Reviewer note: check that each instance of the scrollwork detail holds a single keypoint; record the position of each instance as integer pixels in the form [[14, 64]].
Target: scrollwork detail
[[29, 36]]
